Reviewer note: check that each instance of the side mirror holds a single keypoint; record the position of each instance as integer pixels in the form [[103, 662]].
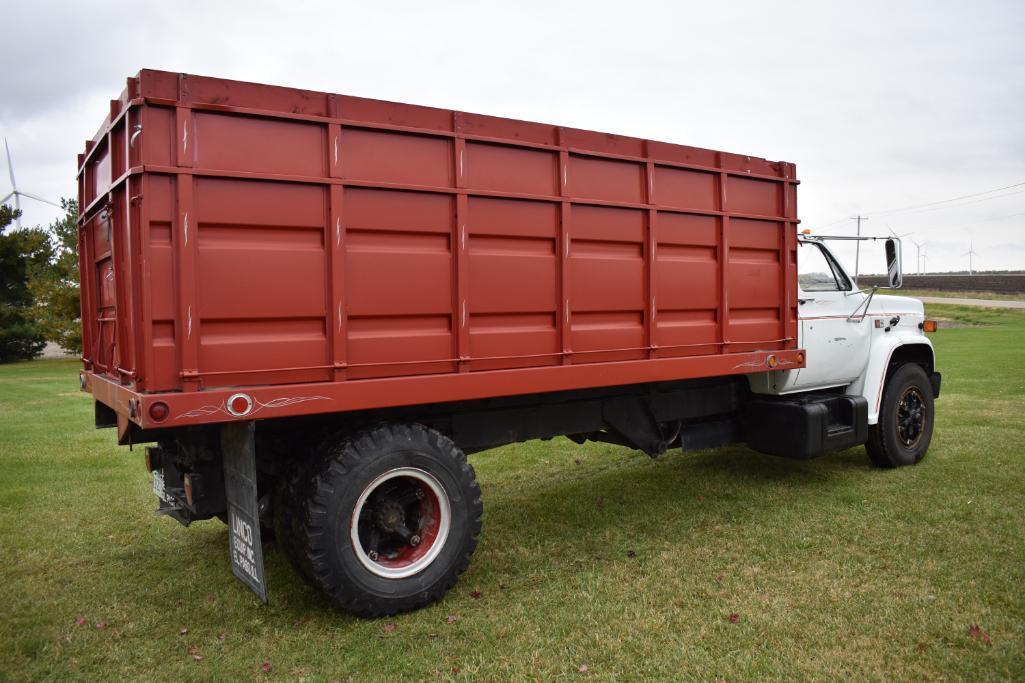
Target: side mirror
[[893, 274]]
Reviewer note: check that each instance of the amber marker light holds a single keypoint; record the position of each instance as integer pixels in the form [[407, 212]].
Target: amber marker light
[[929, 326], [772, 361]]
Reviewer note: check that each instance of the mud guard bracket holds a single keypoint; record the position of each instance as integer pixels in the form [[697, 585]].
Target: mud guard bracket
[[245, 548]]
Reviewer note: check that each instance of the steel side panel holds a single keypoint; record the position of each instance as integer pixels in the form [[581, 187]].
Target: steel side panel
[[288, 238]]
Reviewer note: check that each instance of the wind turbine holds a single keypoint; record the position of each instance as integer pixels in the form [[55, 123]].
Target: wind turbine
[[919, 246], [18, 194], [970, 253], [895, 234]]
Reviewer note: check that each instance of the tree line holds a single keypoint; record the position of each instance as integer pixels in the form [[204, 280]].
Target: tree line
[[39, 295]]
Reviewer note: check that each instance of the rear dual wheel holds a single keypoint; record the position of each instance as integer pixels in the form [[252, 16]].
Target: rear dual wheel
[[384, 521]]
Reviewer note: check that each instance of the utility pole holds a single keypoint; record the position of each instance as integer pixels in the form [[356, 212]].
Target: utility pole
[[857, 247]]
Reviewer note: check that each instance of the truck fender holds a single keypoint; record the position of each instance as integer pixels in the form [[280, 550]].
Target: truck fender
[[887, 353]]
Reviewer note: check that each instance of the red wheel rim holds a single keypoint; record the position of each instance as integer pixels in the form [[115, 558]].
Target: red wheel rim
[[400, 522]]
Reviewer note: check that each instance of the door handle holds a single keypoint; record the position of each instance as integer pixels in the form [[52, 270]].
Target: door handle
[[804, 301]]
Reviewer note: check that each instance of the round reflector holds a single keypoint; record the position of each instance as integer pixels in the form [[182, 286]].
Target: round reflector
[[239, 404]]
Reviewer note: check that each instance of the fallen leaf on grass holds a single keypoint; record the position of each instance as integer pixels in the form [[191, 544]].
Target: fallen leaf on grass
[[185, 629], [81, 621], [582, 669], [451, 618], [631, 553], [975, 632], [194, 653], [734, 617], [455, 670], [701, 499], [577, 461], [389, 628], [476, 594], [921, 647], [101, 625], [265, 667], [222, 636]]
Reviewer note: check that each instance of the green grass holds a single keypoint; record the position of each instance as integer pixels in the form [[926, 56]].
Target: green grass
[[625, 565]]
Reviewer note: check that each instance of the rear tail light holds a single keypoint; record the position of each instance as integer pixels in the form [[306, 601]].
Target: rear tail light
[[159, 411], [929, 325]]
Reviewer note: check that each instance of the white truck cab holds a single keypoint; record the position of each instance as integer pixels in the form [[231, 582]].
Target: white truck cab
[[868, 348]]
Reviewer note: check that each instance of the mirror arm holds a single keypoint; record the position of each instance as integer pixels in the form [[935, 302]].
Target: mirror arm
[[853, 317]]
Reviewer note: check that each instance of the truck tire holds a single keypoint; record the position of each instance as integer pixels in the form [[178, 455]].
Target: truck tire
[[902, 435], [390, 519], [288, 530]]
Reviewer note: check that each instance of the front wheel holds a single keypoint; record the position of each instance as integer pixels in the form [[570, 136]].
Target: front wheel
[[391, 518], [902, 435]]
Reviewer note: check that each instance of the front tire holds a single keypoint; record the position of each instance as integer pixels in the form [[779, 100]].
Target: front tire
[[902, 435], [390, 519]]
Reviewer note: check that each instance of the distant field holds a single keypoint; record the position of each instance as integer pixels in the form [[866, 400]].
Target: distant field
[[1007, 284], [596, 562]]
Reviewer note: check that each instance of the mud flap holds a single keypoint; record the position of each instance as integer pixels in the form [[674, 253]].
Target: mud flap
[[238, 449]]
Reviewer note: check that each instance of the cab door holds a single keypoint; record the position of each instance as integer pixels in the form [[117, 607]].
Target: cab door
[[836, 345]]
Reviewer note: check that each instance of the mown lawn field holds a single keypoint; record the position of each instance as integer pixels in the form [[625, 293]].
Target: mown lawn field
[[595, 562]]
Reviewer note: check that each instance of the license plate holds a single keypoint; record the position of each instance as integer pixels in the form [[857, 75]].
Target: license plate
[[158, 485]]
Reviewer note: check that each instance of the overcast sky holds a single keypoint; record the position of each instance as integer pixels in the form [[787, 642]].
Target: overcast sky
[[882, 105]]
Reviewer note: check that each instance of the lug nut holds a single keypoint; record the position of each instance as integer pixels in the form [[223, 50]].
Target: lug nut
[[419, 494], [414, 540], [372, 555]]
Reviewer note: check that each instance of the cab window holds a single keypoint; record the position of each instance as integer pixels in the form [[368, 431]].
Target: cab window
[[817, 272]]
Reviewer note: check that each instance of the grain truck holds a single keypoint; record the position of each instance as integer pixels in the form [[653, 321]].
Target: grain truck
[[314, 306]]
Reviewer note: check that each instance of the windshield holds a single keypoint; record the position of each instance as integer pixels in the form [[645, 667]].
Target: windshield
[[817, 271]]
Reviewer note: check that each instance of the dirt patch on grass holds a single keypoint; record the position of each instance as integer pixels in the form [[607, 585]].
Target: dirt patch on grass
[[951, 323]]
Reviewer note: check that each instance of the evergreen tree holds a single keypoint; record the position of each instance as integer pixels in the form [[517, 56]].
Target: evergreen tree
[[21, 251]]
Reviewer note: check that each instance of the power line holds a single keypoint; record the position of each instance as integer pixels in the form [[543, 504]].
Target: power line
[[954, 206], [982, 220], [946, 201], [912, 207]]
